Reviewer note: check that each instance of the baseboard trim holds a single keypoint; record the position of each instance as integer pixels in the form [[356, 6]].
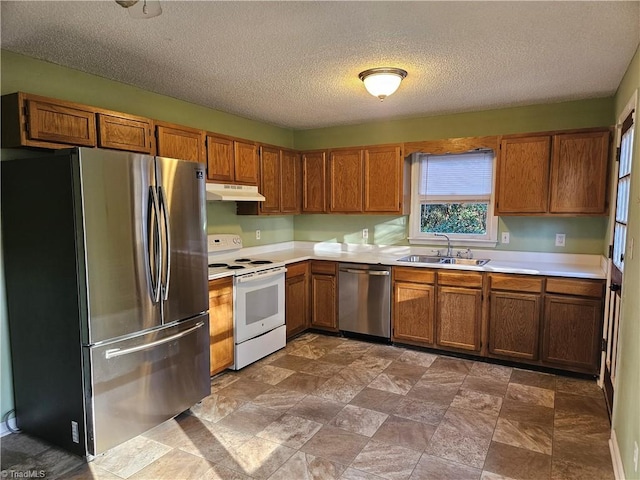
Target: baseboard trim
[[616, 460]]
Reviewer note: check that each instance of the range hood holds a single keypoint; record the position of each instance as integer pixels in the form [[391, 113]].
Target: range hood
[[233, 193]]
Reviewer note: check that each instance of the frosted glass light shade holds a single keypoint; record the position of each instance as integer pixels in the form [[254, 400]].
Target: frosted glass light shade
[[382, 82]]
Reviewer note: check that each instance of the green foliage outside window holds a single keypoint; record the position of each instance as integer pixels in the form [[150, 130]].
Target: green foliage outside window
[[470, 218]]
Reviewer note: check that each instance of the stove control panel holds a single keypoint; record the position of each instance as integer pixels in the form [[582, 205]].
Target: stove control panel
[[221, 242]]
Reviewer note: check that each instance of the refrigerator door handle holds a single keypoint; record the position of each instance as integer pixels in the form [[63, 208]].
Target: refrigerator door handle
[[167, 246], [117, 352], [153, 233]]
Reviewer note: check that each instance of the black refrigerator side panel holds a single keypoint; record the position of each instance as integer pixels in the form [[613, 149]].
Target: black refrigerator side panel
[[44, 301]]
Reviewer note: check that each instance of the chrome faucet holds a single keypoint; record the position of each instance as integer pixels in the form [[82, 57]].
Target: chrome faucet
[[449, 251]]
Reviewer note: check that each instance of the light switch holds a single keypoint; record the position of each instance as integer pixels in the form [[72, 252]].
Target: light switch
[[560, 239], [505, 237]]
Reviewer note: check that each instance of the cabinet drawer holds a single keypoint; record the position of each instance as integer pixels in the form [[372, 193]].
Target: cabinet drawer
[[516, 283], [297, 269], [328, 268], [460, 279], [582, 288], [415, 275]]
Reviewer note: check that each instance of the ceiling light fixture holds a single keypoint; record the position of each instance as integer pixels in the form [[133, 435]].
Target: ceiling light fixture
[[144, 9], [382, 82]]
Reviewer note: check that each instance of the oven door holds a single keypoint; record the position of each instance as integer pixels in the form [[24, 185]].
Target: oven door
[[259, 305]]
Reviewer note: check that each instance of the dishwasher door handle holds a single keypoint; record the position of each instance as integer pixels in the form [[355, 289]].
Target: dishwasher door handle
[[380, 273]]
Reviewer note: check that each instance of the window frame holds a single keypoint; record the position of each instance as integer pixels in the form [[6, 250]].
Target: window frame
[[490, 239]]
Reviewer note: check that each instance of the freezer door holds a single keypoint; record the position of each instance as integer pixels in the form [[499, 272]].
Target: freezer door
[[184, 237], [121, 242], [141, 382]]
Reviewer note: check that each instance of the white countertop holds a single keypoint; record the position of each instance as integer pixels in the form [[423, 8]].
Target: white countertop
[[526, 263]]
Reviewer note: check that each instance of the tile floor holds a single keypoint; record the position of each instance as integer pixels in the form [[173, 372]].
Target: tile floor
[[331, 408]]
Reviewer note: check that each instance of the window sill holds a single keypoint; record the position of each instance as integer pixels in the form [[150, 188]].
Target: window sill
[[454, 242]]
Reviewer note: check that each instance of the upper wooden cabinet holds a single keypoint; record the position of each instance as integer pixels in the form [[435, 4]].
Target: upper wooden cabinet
[[270, 180], [34, 121], [562, 173], [345, 181], [290, 182], [314, 182], [231, 160], [125, 132], [175, 141], [579, 169]]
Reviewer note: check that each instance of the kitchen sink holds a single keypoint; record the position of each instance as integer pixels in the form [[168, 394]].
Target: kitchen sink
[[478, 262]]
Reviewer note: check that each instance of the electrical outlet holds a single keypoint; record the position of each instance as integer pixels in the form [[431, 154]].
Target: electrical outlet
[[560, 239], [365, 233], [257, 234], [505, 237], [635, 456]]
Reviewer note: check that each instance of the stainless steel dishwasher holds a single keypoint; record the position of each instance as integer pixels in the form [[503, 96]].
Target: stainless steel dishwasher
[[364, 299]]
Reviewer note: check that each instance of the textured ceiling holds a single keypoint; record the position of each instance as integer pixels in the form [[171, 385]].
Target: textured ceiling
[[296, 64]]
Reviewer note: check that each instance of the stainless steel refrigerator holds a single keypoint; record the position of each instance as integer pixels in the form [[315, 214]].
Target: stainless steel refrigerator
[[106, 279]]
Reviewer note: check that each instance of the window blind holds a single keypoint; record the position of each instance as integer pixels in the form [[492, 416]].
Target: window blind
[[463, 175]]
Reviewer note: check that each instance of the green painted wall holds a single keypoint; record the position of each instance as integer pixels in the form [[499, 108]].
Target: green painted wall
[[626, 413], [555, 116]]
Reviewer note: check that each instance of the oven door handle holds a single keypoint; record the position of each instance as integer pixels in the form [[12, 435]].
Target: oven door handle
[[260, 276]]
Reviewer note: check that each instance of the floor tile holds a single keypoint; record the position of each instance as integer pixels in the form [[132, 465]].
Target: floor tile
[[493, 476], [569, 425], [177, 431], [532, 395], [290, 362], [278, 398], [388, 461], [449, 364], [421, 410], [391, 383], [218, 472], [415, 357], [578, 457], [328, 342], [463, 437], [131, 457], [354, 474], [442, 376], [406, 370], [405, 433], [359, 420], [290, 431], [533, 379], [321, 369], [530, 436], [489, 370], [223, 380], [303, 466], [302, 382], [215, 407], [526, 412], [341, 357], [477, 401], [485, 385], [434, 392], [309, 350], [18, 448], [214, 442], [578, 386], [173, 465], [335, 444], [250, 418], [258, 458], [339, 389], [54, 462], [270, 374], [90, 471], [375, 399], [436, 468], [372, 364], [354, 346], [581, 405], [244, 390], [517, 463], [318, 409]]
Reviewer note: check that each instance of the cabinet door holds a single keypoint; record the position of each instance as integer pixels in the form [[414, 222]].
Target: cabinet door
[[579, 172], [383, 180], [345, 181], [290, 176], [314, 182], [245, 157], [523, 175], [514, 325], [220, 166], [270, 179], [60, 124], [296, 299], [221, 324], [323, 301], [459, 318], [122, 133], [181, 144], [413, 312], [572, 333]]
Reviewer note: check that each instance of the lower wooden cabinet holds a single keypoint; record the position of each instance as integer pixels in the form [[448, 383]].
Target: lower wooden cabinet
[[221, 324], [459, 318], [514, 325], [324, 313], [413, 305], [297, 298]]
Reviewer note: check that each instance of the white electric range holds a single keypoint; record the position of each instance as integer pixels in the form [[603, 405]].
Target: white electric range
[[258, 299]]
